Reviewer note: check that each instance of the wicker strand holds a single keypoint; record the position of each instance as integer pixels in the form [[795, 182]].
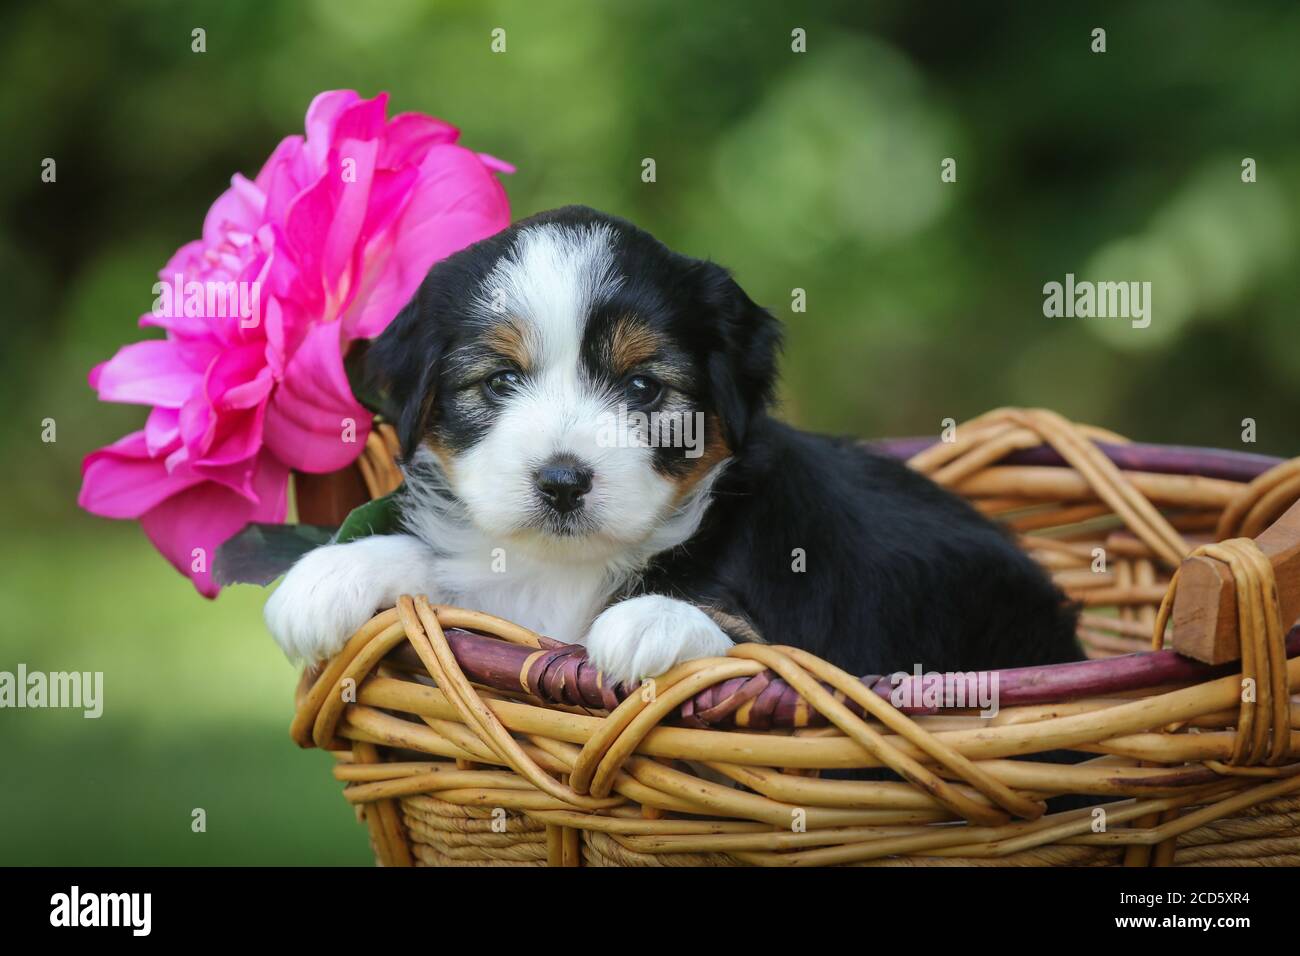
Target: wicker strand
[[1009, 429], [378, 461], [1260, 502]]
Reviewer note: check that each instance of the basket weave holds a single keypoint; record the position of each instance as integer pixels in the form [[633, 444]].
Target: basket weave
[[465, 740]]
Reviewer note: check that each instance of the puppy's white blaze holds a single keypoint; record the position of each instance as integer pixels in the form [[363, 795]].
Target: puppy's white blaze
[[551, 280], [647, 636]]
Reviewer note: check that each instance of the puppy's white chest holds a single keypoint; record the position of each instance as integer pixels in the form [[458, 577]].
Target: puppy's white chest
[[559, 602]]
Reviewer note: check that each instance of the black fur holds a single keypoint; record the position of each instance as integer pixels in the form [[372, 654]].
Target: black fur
[[898, 572]]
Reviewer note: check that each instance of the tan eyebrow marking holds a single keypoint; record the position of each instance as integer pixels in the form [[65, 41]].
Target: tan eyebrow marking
[[509, 339], [631, 343]]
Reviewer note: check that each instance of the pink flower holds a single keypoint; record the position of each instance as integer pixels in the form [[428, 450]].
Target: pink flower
[[325, 246]]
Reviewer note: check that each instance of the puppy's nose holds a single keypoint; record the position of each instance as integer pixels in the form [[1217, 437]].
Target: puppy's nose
[[562, 482]]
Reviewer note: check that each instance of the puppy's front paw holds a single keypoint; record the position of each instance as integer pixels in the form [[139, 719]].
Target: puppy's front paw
[[646, 636], [321, 602], [335, 589]]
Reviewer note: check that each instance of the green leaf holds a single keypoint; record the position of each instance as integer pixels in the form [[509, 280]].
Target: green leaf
[[260, 553], [374, 517]]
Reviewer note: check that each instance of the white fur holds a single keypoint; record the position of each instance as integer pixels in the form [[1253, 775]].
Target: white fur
[[552, 279], [647, 636]]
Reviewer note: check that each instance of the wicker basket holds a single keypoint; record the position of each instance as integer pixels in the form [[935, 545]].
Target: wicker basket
[[465, 740]]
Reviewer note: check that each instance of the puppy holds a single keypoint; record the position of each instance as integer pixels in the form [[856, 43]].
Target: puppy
[[587, 448]]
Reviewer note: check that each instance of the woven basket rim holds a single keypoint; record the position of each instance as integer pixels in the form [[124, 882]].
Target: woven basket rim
[[561, 675]]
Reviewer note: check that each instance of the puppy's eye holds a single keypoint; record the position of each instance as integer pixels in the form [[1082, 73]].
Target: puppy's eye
[[642, 390], [500, 384]]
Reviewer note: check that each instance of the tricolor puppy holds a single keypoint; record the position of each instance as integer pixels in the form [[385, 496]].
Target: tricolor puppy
[[588, 452]]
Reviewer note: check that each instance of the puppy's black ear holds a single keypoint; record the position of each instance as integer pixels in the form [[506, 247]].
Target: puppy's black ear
[[403, 366], [742, 366]]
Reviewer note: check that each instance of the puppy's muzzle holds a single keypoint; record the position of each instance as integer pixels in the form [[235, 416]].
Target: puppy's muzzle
[[562, 482]]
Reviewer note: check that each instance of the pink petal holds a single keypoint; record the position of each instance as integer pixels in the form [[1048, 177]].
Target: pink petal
[[322, 115], [362, 120], [352, 202], [498, 165], [202, 518], [162, 431], [198, 426], [187, 259], [456, 202], [147, 373], [390, 190], [236, 387], [197, 353], [188, 262], [409, 136], [306, 223], [287, 151], [287, 173], [305, 420], [279, 273], [122, 481], [239, 207], [238, 378], [278, 327], [237, 438], [236, 433], [174, 321]]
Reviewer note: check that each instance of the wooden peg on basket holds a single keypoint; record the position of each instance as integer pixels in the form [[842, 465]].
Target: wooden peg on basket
[[1205, 607]]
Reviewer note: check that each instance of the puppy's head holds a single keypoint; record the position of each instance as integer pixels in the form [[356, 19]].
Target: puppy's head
[[575, 378]]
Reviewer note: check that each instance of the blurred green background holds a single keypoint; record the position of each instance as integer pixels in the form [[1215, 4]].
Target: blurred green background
[[817, 171]]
